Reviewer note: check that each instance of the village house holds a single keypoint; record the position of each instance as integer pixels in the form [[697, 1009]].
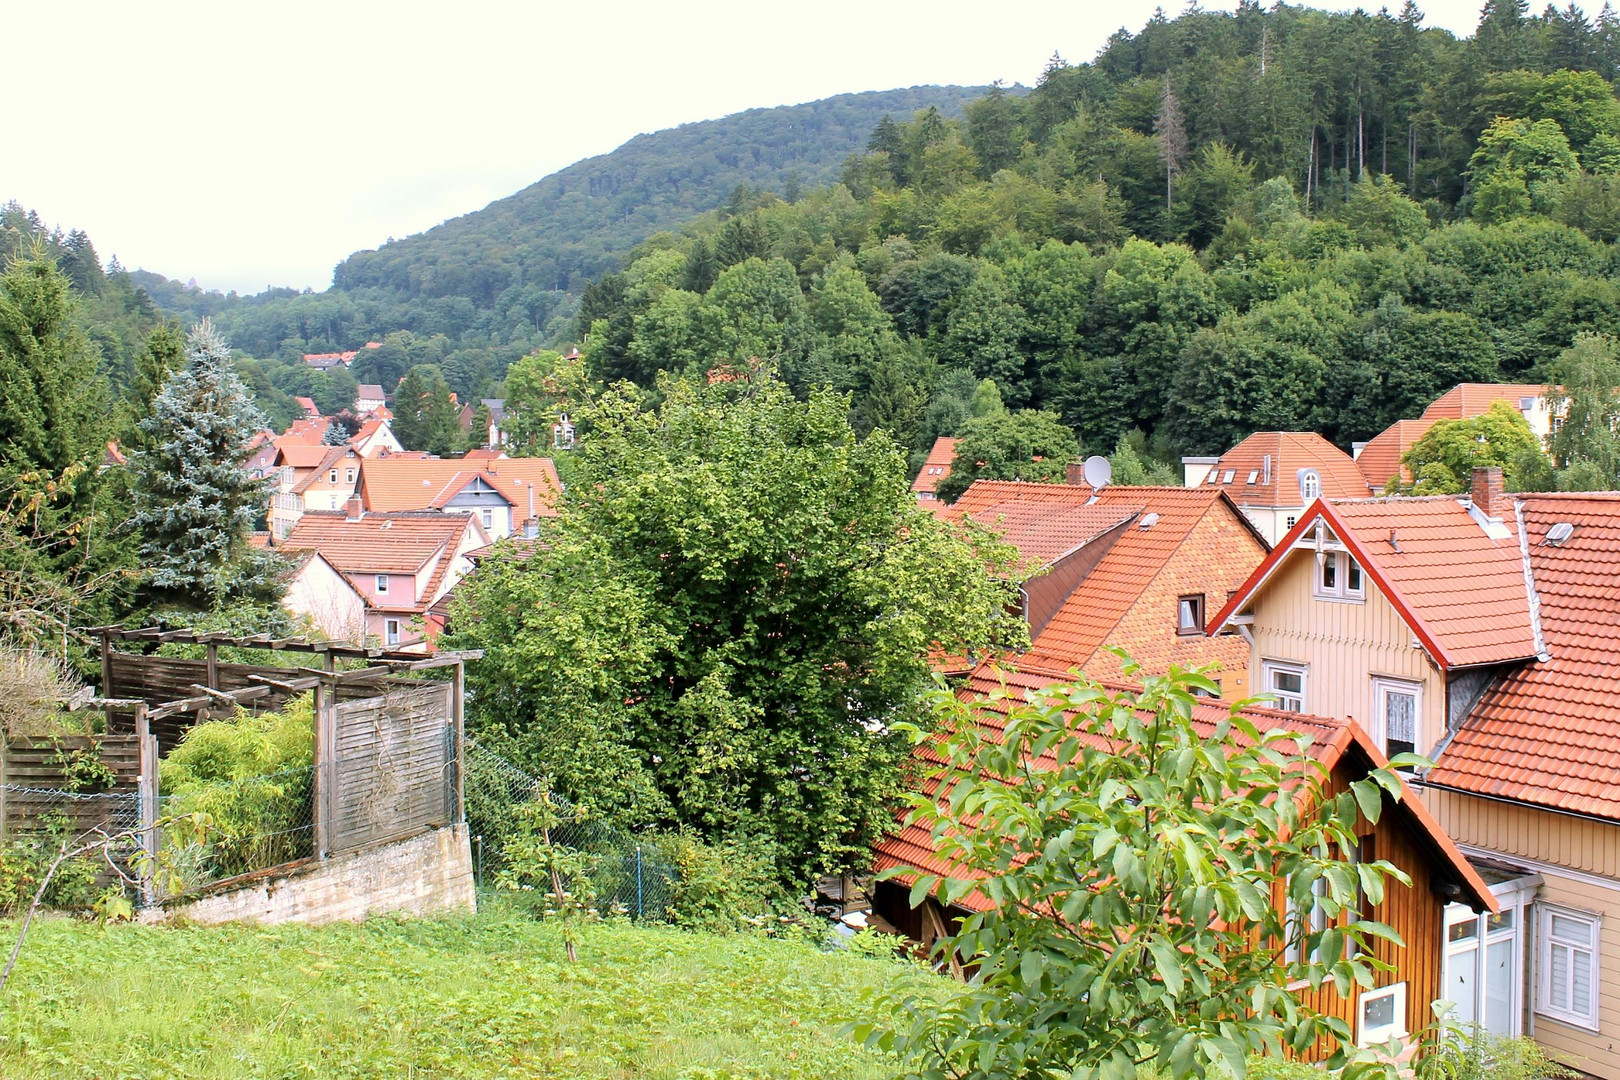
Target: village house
[[1482, 632], [400, 563], [1379, 459], [375, 438], [934, 470], [502, 493], [311, 478], [1137, 568], [1399, 1002], [1274, 475], [369, 397], [318, 595]]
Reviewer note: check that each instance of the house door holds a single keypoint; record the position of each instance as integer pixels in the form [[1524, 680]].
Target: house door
[[1482, 973]]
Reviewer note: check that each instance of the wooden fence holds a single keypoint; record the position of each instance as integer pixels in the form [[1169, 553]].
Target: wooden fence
[[386, 766], [36, 789]]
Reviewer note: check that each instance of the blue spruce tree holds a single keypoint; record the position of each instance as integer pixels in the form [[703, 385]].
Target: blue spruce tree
[[195, 500]]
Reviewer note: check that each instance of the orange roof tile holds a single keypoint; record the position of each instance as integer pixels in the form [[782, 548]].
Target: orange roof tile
[[936, 468], [1460, 589], [1265, 468], [911, 847], [1466, 400], [399, 482], [1043, 530], [1089, 617], [333, 455], [1549, 732], [1380, 460], [397, 543], [308, 431]]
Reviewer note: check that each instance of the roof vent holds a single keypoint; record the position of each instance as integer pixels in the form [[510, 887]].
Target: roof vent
[[1148, 521], [1561, 531]]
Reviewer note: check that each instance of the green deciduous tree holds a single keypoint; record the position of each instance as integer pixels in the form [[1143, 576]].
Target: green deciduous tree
[[1445, 458], [1130, 854], [732, 611], [1586, 394], [1025, 445]]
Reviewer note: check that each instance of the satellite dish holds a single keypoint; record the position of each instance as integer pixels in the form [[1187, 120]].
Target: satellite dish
[[1097, 471]]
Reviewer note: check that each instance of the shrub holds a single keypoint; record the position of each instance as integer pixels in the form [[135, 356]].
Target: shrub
[[24, 861], [719, 887], [252, 776]]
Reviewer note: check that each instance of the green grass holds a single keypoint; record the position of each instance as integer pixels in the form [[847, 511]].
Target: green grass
[[485, 996]]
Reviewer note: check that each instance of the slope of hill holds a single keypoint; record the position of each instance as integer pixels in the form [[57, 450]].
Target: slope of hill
[[580, 221]]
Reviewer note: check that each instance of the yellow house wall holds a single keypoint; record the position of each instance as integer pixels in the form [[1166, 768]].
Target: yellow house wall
[[1345, 645]]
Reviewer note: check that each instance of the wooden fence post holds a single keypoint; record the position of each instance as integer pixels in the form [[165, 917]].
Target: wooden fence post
[[213, 666], [106, 666], [147, 805], [325, 765], [458, 746]]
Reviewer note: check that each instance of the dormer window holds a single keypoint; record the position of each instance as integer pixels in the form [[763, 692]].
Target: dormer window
[[1338, 577], [382, 583], [1310, 485]]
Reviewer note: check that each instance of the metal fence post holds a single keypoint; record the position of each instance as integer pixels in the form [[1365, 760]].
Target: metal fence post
[[147, 805], [639, 910]]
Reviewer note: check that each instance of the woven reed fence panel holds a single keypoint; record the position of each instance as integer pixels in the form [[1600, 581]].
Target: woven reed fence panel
[[393, 765]]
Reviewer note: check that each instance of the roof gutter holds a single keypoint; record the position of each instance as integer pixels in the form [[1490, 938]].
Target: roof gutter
[[1544, 808]]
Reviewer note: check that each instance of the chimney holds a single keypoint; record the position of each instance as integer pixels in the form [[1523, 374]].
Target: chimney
[[1075, 473], [1486, 492], [1265, 467], [352, 510]]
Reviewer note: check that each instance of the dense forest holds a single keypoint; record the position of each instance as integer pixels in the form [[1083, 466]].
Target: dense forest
[[1278, 218], [476, 292]]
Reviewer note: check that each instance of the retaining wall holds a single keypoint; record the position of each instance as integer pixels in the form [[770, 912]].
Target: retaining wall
[[428, 873]]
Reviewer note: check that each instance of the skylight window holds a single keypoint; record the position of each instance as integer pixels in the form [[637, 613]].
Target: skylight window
[[1253, 474], [1560, 532], [1226, 477]]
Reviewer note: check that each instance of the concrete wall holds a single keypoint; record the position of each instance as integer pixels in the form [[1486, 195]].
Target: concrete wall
[[425, 874]]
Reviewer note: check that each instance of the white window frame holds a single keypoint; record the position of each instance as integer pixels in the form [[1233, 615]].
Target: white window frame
[[348, 476], [1341, 590], [391, 632], [382, 583], [1310, 486], [1377, 1036], [1268, 668], [1545, 943], [331, 477], [487, 516], [1381, 684]]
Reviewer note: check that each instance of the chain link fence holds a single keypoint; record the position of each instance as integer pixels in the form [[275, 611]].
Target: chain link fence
[[40, 822], [630, 874], [220, 829]]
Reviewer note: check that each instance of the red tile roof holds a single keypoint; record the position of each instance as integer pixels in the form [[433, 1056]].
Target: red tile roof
[[400, 543], [1549, 732], [308, 405], [307, 431], [911, 847], [1461, 590], [1094, 611], [1265, 468], [1380, 460], [399, 482], [333, 456], [1043, 530], [936, 468]]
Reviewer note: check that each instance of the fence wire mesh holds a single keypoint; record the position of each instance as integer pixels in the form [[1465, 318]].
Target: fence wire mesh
[[40, 822], [630, 874], [219, 829]]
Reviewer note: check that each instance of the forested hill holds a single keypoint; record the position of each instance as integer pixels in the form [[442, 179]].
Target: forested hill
[[1225, 222], [576, 223]]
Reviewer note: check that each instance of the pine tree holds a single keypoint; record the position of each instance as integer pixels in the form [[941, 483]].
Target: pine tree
[[425, 417], [165, 352], [195, 500]]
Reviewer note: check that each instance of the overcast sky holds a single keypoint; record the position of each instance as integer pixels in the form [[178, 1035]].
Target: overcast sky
[[248, 145]]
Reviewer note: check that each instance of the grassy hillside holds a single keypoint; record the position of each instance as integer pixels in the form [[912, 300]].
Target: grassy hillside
[[479, 997]]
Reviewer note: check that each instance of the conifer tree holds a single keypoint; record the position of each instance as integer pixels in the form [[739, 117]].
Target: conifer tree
[[195, 500]]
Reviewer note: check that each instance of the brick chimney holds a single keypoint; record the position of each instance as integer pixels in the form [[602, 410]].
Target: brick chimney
[[1486, 492], [354, 511], [1075, 473]]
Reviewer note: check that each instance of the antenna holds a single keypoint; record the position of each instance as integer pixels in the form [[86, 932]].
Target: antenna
[[1097, 471]]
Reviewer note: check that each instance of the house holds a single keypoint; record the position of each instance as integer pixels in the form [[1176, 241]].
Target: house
[[1137, 568], [319, 593], [1406, 835], [308, 405], [262, 451], [375, 437], [1274, 475], [1380, 458], [1483, 632], [305, 431], [311, 478], [369, 397], [502, 492], [328, 361], [400, 563], [495, 409], [935, 469]]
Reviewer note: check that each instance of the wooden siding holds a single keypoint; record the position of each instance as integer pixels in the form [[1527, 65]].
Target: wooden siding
[[1416, 913], [1511, 829], [1587, 847], [1345, 645], [393, 766]]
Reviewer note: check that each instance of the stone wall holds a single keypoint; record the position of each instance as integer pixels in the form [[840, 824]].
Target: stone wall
[[428, 873]]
